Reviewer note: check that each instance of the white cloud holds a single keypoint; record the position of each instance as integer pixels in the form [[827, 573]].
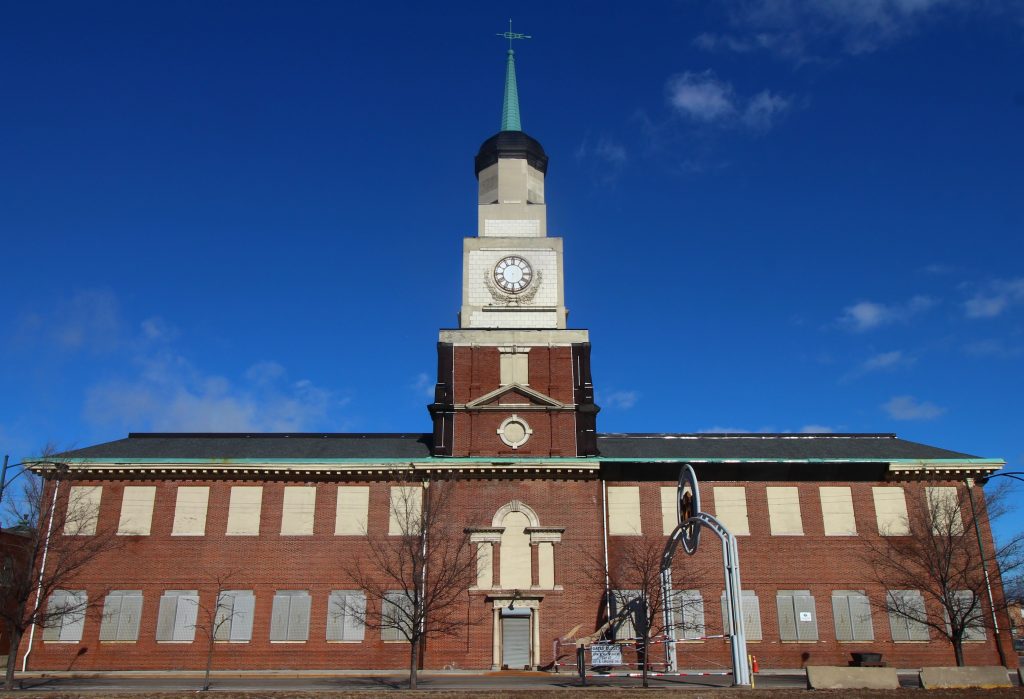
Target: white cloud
[[170, 394], [265, 373], [737, 44], [621, 400], [993, 348], [798, 29], [764, 109], [161, 389], [424, 385], [886, 360], [90, 320], [867, 315], [816, 429], [910, 408], [701, 96], [997, 296], [156, 329], [704, 98], [604, 149]]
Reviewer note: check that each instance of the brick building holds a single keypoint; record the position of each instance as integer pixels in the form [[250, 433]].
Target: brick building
[[540, 492], [14, 551]]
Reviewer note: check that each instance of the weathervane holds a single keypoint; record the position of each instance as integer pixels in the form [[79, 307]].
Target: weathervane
[[510, 35]]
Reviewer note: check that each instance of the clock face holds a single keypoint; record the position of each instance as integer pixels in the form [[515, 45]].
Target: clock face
[[513, 274]]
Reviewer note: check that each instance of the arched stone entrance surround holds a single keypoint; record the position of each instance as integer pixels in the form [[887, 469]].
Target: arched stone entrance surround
[[517, 532]]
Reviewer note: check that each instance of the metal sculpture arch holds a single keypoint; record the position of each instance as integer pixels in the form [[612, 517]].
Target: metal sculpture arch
[[689, 521]]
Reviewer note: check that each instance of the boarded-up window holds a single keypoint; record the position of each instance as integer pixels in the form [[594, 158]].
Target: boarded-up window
[[346, 615], [515, 567], [190, 511], [967, 610], [83, 511], [484, 565], [669, 518], [628, 606], [65, 616], [731, 509], [837, 510], [351, 512], [546, 565], [907, 617], [891, 510], [396, 616], [851, 611], [751, 616], [944, 511], [122, 610], [404, 511], [688, 615], [297, 511], [289, 619], [136, 510], [515, 368], [798, 619], [233, 619], [624, 510], [176, 622], [784, 511], [244, 510]]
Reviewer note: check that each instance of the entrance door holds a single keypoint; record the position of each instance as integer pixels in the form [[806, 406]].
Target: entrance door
[[515, 639]]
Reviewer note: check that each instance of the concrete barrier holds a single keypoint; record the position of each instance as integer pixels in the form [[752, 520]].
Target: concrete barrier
[[823, 677], [963, 677]]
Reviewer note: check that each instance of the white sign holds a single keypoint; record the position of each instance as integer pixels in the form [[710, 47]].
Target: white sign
[[805, 616], [606, 654]]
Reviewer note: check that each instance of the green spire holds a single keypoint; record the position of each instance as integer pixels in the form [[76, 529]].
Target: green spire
[[510, 106]]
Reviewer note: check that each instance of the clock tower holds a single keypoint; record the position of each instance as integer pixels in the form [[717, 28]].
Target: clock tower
[[512, 379]]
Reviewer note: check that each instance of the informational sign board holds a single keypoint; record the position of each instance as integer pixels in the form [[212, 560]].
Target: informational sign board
[[605, 654]]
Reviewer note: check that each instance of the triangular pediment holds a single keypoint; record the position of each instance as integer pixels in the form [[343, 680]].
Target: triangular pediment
[[514, 395]]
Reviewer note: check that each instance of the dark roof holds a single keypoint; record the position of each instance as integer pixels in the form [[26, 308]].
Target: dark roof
[[769, 446], [205, 445], [511, 144], [641, 447]]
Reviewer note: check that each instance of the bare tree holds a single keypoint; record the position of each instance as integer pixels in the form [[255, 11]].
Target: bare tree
[[639, 602], [934, 559], [416, 577], [219, 618], [58, 536]]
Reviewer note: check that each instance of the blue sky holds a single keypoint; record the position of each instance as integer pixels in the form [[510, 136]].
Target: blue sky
[[778, 215]]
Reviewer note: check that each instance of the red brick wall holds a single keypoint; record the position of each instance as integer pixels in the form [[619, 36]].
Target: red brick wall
[[478, 372], [812, 562], [319, 563], [476, 434]]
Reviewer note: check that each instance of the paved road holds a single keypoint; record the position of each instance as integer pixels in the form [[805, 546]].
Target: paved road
[[490, 681], [428, 680]]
